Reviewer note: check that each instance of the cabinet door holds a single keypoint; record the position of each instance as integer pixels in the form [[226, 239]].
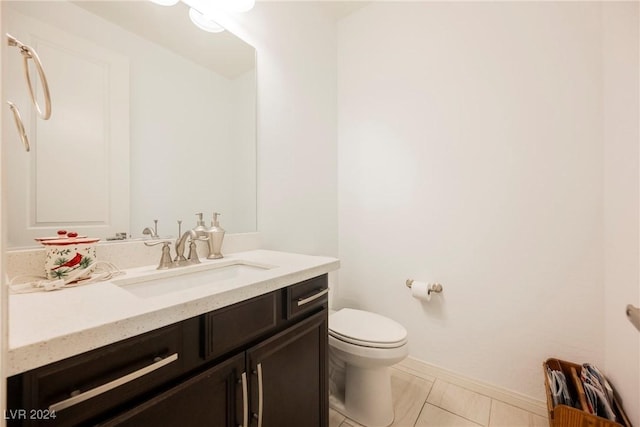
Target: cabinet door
[[215, 397], [289, 382]]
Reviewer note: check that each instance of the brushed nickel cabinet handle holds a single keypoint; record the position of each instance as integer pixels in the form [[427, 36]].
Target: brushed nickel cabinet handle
[[303, 301], [81, 397], [260, 395], [245, 401]]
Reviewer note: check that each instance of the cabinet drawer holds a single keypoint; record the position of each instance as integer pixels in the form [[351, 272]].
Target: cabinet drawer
[[231, 327], [86, 386], [306, 296]]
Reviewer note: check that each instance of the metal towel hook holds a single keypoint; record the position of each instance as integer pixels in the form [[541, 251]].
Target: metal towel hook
[[29, 53]]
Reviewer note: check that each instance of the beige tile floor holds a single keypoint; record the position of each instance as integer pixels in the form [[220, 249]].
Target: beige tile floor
[[421, 401]]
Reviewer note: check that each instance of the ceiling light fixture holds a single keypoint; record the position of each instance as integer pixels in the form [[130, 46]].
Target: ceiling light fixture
[[234, 5], [202, 12], [165, 2], [203, 22]]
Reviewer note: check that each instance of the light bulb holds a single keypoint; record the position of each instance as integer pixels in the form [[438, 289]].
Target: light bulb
[[209, 7], [203, 22], [165, 2]]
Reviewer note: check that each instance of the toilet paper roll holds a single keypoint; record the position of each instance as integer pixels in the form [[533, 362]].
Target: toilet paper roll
[[420, 290]]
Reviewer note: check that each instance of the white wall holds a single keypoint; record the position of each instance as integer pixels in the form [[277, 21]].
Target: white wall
[[297, 160], [176, 166], [621, 136], [243, 133], [470, 153]]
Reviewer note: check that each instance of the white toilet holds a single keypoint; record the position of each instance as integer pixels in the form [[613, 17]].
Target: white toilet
[[362, 346]]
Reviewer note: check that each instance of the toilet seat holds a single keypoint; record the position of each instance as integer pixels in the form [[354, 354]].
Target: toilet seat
[[366, 329], [361, 343]]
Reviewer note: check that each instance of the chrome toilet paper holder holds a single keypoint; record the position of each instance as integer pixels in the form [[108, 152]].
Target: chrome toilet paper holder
[[433, 287]]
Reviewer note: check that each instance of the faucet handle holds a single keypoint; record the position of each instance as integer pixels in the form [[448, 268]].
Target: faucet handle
[[193, 249], [157, 242], [165, 258], [193, 252]]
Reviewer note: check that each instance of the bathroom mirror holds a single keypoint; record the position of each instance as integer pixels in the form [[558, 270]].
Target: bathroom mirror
[[152, 118]]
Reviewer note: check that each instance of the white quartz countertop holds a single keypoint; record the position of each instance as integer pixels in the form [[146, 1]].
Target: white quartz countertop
[[45, 327]]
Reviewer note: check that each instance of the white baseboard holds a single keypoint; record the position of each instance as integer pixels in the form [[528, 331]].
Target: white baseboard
[[431, 372]]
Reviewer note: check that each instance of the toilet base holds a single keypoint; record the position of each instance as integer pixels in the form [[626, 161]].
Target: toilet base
[[367, 398]]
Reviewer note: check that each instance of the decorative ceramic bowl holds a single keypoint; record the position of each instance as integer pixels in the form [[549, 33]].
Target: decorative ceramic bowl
[[68, 255]]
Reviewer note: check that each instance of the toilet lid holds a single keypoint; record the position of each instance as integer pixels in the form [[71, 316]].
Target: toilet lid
[[366, 329]]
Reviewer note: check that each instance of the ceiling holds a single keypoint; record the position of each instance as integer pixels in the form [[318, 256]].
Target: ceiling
[[171, 28], [339, 9], [223, 52]]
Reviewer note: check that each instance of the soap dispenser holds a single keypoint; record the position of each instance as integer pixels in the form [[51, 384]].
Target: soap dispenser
[[215, 235], [200, 228]]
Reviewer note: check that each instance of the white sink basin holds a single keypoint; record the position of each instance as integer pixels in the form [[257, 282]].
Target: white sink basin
[[181, 278]]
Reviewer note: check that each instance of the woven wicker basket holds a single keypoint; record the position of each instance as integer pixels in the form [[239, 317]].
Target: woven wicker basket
[[567, 416]]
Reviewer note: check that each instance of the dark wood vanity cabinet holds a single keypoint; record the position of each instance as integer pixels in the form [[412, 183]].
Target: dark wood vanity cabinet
[[256, 363]]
